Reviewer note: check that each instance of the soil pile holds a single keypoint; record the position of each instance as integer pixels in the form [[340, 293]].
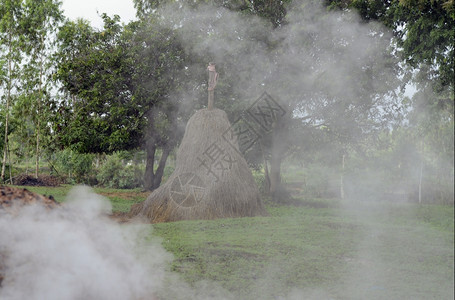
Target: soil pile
[[42, 180], [12, 200]]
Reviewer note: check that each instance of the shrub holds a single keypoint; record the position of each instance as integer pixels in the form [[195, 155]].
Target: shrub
[[77, 166], [115, 173]]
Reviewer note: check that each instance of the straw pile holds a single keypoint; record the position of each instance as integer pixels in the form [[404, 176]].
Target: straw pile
[[211, 179]]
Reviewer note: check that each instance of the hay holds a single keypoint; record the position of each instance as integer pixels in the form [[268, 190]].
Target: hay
[[211, 179]]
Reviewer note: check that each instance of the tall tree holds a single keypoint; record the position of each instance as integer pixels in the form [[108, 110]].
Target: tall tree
[[119, 81], [424, 40], [424, 36], [323, 69], [11, 40], [41, 23]]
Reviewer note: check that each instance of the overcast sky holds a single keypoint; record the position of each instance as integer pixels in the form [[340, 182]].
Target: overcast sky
[[87, 9]]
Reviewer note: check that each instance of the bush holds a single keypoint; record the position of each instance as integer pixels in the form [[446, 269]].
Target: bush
[[78, 167], [259, 177], [115, 173]]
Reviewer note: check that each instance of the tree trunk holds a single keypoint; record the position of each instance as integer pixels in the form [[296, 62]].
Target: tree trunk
[[158, 176], [278, 152], [5, 145], [266, 186], [275, 173], [8, 99], [10, 171], [38, 123], [152, 178], [266, 176], [149, 165]]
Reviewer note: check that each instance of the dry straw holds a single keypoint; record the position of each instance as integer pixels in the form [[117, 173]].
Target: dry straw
[[211, 179]]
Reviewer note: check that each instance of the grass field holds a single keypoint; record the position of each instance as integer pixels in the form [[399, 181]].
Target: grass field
[[121, 200], [318, 249]]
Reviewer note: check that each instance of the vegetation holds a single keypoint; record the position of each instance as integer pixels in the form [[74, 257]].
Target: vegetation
[[27, 30], [300, 247], [73, 95], [319, 248], [356, 174]]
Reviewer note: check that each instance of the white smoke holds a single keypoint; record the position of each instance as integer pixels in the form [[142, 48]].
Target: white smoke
[[76, 252]]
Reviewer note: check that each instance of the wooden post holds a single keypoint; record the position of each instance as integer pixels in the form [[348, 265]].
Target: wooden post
[[213, 76]]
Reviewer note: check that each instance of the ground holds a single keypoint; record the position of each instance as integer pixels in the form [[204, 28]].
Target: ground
[[314, 248], [42, 180]]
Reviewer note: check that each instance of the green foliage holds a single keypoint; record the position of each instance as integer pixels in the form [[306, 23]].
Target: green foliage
[[115, 173], [27, 30], [423, 30], [259, 177], [76, 166], [119, 84], [11, 56], [299, 248], [101, 117], [115, 77], [121, 199], [120, 80], [321, 248]]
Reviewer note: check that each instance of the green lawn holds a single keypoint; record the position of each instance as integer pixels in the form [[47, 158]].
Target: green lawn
[[121, 200], [320, 249]]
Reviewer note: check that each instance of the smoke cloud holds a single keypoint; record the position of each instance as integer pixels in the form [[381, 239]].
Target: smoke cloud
[[318, 57], [76, 252]]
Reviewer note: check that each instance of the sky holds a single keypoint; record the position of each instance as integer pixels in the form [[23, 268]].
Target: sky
[[87, 9]]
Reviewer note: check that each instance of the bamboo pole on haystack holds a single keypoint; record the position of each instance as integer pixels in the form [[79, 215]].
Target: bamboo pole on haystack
[[213, 76]]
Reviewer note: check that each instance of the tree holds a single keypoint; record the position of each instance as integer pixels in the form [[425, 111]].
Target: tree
[[120, 82], [27, 29], [352, 89], [43, 18], [323, 69], [424, 40], [424, 36], [11, 40]]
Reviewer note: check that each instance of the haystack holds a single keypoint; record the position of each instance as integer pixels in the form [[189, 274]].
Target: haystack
[[211, 178]]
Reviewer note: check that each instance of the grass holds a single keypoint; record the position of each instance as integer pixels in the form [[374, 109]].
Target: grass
[[120, 199], [319, 249], [270, 254]]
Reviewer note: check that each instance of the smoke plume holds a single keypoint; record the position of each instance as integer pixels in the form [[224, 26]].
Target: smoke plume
[[76, 252]]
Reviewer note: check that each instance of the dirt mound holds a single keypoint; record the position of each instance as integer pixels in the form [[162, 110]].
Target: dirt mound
[[42, 180], [13, 198]]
